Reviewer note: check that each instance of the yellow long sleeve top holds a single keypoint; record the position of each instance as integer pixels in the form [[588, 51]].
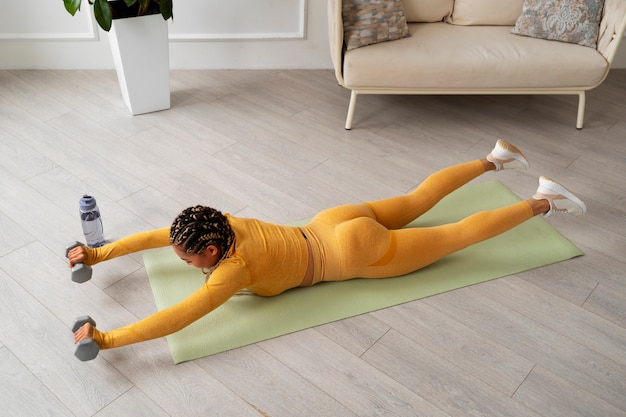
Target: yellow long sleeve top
[[266, 258]]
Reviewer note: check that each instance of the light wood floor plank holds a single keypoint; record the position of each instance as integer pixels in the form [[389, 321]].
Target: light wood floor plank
[[22, 394], [599, 267], [115, 181], [40, 342], [12, 236], [363, 389], [356, 334], [134, 293], [133, 402], [562, 282], [591, 330], [549, 395], [180, 390], [32, 99], [451, 389], [578, 364], [44, 219], [608, 303], [22, 161], [490, 362], [281, 176], [269, 386]]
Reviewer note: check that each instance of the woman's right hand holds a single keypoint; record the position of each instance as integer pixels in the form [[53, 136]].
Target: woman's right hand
[[77, 255]]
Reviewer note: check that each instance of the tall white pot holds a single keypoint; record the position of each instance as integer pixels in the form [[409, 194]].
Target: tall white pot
[[140, 48]]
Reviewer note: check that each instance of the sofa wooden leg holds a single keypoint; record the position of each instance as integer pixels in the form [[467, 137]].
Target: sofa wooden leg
[[351, 107], [581, 110]]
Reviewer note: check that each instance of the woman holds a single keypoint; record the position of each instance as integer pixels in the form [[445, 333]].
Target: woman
[[359, 240]]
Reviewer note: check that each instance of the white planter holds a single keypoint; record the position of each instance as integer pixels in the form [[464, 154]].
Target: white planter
[[140, 48]]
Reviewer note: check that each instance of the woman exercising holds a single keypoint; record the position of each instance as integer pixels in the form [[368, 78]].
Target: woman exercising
[[364, 240]]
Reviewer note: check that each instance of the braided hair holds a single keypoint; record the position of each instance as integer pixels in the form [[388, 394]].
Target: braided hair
[[198, 227]]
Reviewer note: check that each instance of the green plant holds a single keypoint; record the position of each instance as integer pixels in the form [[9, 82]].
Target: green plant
[[105, 11]]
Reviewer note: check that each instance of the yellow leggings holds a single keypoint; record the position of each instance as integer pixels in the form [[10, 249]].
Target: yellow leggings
[[367, 240]]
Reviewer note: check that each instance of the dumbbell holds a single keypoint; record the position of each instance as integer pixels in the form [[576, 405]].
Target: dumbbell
[[86, 349], [80, 272]]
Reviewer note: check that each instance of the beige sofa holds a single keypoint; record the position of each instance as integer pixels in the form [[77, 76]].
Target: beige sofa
[[467, 47]]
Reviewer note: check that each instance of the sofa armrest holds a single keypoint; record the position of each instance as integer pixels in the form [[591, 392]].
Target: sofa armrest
[[335, 37], [612, 27]]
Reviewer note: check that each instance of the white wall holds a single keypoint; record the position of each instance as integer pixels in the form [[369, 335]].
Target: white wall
[[205, 34], [40, 34]]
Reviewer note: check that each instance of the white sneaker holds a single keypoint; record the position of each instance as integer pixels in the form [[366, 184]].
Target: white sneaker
[[507, 156], [561, 199]]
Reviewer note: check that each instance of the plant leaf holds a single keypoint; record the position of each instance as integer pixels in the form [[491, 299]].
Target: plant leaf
[[166, 9], [72, 6], [102, 11]]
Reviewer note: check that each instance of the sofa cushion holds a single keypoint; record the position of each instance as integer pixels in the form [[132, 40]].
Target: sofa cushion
[[485, 12], [439, 56], [427, 10], [573, 21], [366, 22]]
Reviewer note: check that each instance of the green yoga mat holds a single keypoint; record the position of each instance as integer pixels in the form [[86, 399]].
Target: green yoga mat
[[246, 319]]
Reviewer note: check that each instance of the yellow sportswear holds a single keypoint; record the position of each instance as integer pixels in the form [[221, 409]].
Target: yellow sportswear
[[267, 259]]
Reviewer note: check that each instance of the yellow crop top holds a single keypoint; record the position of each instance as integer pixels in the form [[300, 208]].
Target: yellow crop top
[[266, 258]]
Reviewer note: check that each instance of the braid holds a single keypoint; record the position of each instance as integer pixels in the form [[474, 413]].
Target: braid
[[195, 228]]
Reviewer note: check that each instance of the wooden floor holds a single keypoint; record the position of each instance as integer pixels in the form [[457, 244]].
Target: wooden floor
[[270, 144]]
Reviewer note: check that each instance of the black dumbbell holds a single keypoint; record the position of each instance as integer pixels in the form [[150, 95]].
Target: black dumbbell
[[80, 272], [86, 349]]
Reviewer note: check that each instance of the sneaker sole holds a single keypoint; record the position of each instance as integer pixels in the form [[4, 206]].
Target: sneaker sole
[[510, 151], [557, 188]]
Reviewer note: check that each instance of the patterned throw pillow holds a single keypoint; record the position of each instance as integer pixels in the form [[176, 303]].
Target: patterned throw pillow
[[366, 22], [572, 21]]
